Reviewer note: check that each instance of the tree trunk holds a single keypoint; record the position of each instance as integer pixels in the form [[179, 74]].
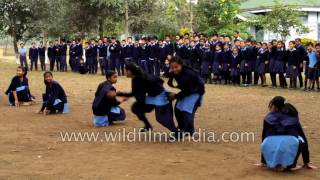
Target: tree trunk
[[101, 29], [126, 19]]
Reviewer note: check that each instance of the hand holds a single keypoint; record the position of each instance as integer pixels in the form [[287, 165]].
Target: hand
[[219, 66], [294, 67], [266, 62], [301, 65], [16, 103], [111, 94], [309, 166], [246, 65], [238, 66]]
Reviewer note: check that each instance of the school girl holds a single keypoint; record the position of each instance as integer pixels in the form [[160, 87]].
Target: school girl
[[262, 63], [312, 69], [33, 56], [42, 56], [244, 64], [226, 61], [206, 63], [217, 64], [54, 98], [283, 139], [18, 91], [150, 95], [189, 98], [293, 64], [23, 56], [235, 66], [105, 106], [277, 65]]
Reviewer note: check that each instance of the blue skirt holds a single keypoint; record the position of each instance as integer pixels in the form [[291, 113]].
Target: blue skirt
[[215, 68], [280, 150], [225, 67], [276, 66], [261, 69], [234, 72], [243, 67], [205, 68], [291, 72]]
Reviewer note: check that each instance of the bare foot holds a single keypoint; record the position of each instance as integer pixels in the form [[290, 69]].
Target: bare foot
[[295, 168], [260, 165], [309, 166]]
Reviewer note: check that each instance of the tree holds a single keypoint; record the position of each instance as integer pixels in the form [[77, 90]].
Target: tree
[[19, 17], [280, 20], [214, 16]]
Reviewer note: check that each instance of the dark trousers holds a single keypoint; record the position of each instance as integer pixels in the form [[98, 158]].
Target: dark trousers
[[57, 60], [115, 64], [186, 120], [90, 64], [63, 64], [139, 109], [102, 65], [282, 79], [151, 66], [122, 64], [71, 62], [76, 64], [34, 61], [144, 65], [255, 78], [23, 62], [246, 77], [43, 63]]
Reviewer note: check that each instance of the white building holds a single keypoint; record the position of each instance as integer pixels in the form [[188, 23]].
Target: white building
[[311, 18]]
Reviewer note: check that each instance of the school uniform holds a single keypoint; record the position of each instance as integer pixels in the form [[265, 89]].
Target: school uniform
[[136, 49], [283, 140], [102, 51], [42, 57], [186, 52], [153, 62], [262, 58], [179, 50], [63, 57], [245, 68], [226, 61], [217, 63], [195, 58], [57, 56], [82, 68], [95, 58], [162, 56], [115, 57], [170, 48], [302, 56], [143, 58], [122, 60], [206, 63], [89, 51], [129, 53], [78, 54], [23, 57], [51, 57], [293, 63], [21, 88], [277, 66], [313, 58], [235, 68], [188, 99], [151, 95], [33, 56], [55, 99], [106, 110], [72, 56]]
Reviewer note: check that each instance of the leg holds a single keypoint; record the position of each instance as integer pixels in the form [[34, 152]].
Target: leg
[[139, 110]]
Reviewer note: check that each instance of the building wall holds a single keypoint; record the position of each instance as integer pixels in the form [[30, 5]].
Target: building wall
[[312, 21]]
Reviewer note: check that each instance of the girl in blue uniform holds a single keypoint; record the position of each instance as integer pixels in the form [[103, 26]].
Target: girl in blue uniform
[[54, 98], [277, 65], [245, 69], [283, 139], [293, 64], [150, 95], [206, 63], [105, 106], [18, 91], [226, 61], [262, 63], [217, 64], [235, 66], [189, 98]]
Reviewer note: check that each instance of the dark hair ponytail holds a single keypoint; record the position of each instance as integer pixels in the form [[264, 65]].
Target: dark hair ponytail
[[289, 110], [135, 69], [278, 102]]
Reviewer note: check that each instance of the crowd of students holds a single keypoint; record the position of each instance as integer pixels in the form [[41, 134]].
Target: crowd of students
[[218, 58], [189, 63]]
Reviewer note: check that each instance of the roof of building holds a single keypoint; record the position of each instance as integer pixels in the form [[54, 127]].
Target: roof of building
[[253, 5]]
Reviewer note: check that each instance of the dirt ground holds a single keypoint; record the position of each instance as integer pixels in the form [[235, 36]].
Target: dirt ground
[[31, 145]]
